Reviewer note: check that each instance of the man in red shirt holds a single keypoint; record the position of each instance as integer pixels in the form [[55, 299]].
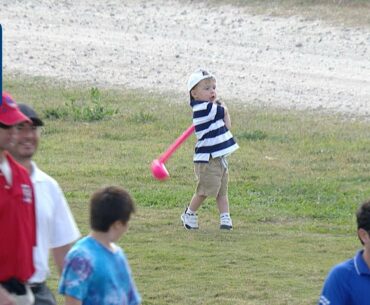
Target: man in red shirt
[[17, 213]]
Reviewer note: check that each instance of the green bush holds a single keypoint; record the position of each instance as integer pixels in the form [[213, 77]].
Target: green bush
[[87, 111]]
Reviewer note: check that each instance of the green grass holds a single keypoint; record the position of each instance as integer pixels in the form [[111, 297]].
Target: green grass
[[295, 184]]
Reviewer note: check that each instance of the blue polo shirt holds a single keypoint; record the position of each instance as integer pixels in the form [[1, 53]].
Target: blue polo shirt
[[348, 283]]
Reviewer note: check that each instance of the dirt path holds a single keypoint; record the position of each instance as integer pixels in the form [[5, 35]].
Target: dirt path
[[286, 62]]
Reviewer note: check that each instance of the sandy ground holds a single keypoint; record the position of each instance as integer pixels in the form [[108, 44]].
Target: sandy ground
[[286, 62]]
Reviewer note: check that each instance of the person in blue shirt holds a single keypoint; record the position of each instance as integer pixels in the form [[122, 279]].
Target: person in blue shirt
[[215, 142], [96, 271], [348, 283]]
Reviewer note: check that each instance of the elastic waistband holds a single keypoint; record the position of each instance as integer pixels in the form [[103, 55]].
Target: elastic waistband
[[222, 160]]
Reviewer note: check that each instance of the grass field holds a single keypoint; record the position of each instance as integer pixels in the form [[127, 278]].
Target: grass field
[[294, 186]]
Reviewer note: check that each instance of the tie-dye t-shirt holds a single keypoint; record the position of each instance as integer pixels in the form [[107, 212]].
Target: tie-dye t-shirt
[[97, 276]]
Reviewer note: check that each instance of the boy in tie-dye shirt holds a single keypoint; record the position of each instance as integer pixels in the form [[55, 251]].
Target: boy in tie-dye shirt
[[96, 271]]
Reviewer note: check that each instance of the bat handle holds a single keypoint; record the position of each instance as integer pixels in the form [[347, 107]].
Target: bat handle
[[167, 154]]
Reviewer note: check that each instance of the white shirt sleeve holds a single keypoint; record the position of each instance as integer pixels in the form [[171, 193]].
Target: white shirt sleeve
[[64, 228]]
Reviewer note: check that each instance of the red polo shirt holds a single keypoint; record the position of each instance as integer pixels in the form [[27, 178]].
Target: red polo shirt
[[17, 224]]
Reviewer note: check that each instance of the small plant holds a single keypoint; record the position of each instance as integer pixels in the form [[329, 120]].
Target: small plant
[[143, 117], [56, 113], [93, 110], [255, 135]]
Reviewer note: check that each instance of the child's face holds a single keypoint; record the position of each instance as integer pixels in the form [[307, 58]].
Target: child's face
[[205, 90]]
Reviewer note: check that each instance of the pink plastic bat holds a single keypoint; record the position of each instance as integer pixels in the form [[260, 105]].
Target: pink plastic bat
[[159, 171]]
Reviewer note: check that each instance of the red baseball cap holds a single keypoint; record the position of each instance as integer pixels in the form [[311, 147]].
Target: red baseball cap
[[9, 112]]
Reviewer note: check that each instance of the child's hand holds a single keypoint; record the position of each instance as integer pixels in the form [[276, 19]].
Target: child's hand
[[218, 102]]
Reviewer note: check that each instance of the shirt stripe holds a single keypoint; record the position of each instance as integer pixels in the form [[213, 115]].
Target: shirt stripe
[[324, 301], [214, 139]]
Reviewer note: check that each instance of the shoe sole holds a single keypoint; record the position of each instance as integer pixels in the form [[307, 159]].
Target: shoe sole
[[187, 227], [226, 227]]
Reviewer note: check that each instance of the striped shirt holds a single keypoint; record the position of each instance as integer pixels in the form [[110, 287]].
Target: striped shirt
[[214, 139]]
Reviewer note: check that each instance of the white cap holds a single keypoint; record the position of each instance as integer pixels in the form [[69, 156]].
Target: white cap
[[198, 76]]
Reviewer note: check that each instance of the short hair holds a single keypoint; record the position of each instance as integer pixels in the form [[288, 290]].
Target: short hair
[[363, 216], [109, 204]]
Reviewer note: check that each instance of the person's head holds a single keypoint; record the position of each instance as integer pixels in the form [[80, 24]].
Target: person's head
[[110, 206], [363, 222], [28, 135], [10, 116], [202, 86]]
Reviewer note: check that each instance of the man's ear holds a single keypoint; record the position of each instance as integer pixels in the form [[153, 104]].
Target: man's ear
[[363, 235]]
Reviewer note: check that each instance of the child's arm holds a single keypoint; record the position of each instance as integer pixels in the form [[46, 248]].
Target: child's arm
[[227, 118], [71, 301]]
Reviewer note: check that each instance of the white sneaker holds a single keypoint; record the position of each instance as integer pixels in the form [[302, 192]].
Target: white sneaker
[[190, 221], [226, 223]]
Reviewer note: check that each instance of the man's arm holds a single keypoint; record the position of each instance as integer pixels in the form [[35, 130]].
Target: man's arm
[[59, 253], [336, 290]]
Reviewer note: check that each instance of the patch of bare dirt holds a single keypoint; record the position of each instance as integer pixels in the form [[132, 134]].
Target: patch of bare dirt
[[288, 62]]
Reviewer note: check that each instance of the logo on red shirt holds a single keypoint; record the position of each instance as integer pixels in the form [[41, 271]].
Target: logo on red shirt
[[27, 193]]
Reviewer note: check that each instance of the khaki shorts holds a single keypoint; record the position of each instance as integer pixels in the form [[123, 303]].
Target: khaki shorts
[[212, 177]]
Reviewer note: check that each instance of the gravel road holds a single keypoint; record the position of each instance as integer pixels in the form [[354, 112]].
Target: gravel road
[[287, 62]]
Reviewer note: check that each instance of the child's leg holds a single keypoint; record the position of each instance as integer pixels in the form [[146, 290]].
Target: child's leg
[[196, 202], [199, 196], [223, 207], [189, 218], [223, 203], [222, 198]]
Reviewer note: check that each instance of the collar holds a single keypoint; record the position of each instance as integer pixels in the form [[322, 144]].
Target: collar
[[360, 264], [36, 174], [197, 102], [5, 169]]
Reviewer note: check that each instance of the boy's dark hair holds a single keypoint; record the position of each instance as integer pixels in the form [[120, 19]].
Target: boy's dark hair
[[363, 218], [108, 205]]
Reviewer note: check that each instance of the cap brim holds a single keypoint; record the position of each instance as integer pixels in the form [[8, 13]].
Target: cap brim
[[37, 122], [14, 118]]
